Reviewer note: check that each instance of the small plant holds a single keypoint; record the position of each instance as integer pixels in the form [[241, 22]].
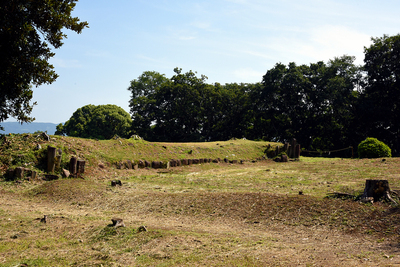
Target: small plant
[[373, 148]]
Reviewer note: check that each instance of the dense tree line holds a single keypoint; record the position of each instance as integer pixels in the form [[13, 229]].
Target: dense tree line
[[325, 106]]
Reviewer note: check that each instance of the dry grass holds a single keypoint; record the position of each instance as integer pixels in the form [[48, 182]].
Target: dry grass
[[201, 215]]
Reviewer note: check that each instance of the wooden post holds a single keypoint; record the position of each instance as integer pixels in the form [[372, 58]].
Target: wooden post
[[51, 155], [58, 159], [293, 148], [277, 151], [297, 151], [19, 172], [72, 165], [80, 166], [286, 148]]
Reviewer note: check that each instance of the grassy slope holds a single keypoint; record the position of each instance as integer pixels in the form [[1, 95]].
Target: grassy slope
[[209, 214], [17, 150]]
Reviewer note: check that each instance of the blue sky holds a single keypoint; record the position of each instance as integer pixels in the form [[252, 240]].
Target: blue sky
[[226, 40]]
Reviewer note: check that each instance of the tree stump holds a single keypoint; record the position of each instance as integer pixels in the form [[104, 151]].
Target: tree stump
[[377, 189]]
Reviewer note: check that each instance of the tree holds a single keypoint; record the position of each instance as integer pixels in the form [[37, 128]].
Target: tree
[[142, 103], [380, 101], [100, 122], [27, 28], [179, 108], [313, 103]]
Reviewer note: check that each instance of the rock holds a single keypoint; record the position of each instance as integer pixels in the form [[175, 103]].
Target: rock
[[117, 222], [50, 177], [116, 182], [44, 219], [141, 164], [128, 164], [142, 229], [45, 136], [172, 163], [284, 158], [65, 173], [38, 147], [156, 164]]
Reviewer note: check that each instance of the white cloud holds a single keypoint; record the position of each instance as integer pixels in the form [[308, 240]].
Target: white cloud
[[331, 41], [326, 42], [248, 75], [66, 63]]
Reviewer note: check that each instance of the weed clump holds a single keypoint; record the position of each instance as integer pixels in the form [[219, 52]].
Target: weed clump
[[373, 148]]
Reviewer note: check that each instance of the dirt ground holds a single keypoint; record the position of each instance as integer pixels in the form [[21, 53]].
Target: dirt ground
[[198, 228]]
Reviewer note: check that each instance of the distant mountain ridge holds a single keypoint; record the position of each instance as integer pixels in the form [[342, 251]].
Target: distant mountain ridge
[[17, 128]]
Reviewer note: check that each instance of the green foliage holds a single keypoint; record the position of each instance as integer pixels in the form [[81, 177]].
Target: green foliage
[[373, 148], [312, 103], [27, 28], [185, 108], [97, 122], [379, 109]]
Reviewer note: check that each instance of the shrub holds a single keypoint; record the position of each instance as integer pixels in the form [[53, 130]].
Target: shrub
[[373, 148]]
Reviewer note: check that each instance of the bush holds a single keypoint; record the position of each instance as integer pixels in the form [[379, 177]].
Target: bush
[[373, 148]]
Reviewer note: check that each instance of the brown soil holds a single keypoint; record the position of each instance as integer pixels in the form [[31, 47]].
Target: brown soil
[[225, 228]]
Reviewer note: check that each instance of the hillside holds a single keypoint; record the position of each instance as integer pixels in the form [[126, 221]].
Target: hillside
[[18, 128], [21, 149]]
